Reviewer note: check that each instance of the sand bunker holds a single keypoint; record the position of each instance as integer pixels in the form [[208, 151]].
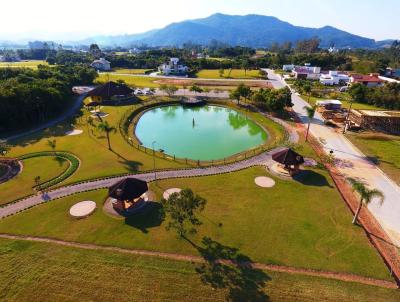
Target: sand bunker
[[74, 132], [264, 182], [170, 191], [82, 209]]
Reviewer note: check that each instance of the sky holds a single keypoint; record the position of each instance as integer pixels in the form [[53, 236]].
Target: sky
[[78, 19]]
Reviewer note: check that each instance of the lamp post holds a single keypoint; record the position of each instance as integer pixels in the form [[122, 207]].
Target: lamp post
[[154, 161], [347, 117]]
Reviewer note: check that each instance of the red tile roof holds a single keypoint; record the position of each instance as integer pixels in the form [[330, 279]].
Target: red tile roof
[[359, 78]]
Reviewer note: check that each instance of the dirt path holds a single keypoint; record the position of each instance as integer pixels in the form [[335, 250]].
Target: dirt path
[[179, 257]]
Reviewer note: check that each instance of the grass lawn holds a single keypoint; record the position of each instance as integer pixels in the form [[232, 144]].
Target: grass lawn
[[235, 74], [382, 149], [3, 170], [129, 80], [92, 150], [130, 71], [27, 64], [46, 167], [283, 225], [345, 104], [43, 272]]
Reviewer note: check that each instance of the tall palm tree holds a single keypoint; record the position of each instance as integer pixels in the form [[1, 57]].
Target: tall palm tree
[[105, 127], [366, 195], [52, 144], [310, 115]]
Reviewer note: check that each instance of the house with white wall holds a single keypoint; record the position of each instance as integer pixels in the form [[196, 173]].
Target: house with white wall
[[173, 68], [101, 64], [307, 72], [334, 78]]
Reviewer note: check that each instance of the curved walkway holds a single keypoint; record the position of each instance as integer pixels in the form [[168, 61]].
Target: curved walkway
[[258, 160], [179, 257]]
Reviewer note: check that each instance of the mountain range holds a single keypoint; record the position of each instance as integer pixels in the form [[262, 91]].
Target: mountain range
[[249, 30]]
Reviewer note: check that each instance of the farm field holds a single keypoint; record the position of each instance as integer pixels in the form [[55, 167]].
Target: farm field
[[26, 64]]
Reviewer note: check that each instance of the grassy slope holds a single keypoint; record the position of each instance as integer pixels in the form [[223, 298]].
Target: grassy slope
[[235, 74], [384, 149], [41, 272], [22, 184], [284, 225]]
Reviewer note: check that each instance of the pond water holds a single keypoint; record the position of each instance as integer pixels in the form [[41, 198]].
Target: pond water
[[198, 133]]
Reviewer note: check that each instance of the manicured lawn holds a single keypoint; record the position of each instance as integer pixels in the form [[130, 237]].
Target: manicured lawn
[[234, 74], [46, 167], [382, 149], [45, 272], [284, 225], [27, 64], [345, 104], [129, 79], [130, 71]]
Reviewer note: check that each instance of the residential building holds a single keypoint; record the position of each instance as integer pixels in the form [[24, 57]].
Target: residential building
[[288, 67], [334, 78], [333, 50], [307, 72], [101, 64], [371, 80], [173, 68]]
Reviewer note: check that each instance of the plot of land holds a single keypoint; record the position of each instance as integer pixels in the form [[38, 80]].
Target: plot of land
[[70, 274], [381, 149], [345, 104], [131, 80], [27, 64], [284, 225], [130, 71], [228, 74]]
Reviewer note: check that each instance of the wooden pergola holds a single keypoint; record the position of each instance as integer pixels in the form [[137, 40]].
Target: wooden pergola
[[128, 194], [290, 159]]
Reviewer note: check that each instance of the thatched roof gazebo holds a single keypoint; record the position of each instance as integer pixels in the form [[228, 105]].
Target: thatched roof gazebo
[[128, 194], [109, 90], [290, 159]]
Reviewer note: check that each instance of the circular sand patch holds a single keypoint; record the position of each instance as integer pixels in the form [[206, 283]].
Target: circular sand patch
[[264, 182], [82, 209], [74, 132], [170, 191]]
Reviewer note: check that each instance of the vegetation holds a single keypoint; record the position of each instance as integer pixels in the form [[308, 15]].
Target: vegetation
[[316, 233], [273, 100], [155, 279], [105, 127], [387, 96], [366, 195], [228, 74], [30, 97], [310, 114]]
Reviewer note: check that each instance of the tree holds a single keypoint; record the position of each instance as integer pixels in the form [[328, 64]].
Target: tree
[[245, 66], [4, 148], [52, 144], [358, 92], [235, 95], [196, 89], [95, 50], [171, 90], [182, 209], [37, 182], [221, 72], [107, 129], [366, 195], [310, 114], [244, 91], [307, 90]]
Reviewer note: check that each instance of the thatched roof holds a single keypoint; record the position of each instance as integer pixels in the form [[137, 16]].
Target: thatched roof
[[110, 89], [288, 157], [128, 189]]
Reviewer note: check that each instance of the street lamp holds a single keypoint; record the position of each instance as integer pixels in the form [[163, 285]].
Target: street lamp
[[154, 161], [346, 122]]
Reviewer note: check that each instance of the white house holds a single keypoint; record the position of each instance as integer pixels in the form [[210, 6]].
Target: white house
[[307, 72], [334, 78], [288, 67], [173, 67], [102, 65], [333, 50]]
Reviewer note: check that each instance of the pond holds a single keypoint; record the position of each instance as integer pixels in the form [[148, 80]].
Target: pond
[[198, 133]]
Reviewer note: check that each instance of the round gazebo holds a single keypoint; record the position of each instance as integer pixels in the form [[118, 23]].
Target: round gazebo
[[289, 159], [129, 195], [110, 90]]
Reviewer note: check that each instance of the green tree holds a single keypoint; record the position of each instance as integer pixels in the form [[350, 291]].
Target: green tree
[[310, 114], [171, 90], [4, 148], [182, 209], [107, 129], [36, 180], [52, 144], [307, 90], [235, 95], [358, 92], [366, 195], [196, 89], [221, 72], [244, 91]]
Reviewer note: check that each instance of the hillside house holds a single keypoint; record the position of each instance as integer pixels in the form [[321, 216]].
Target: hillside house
[[370, 80], [334, 78], [307, 73]]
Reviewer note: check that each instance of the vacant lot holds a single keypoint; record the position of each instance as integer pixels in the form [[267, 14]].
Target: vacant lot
[[130, 71], [27, 64], [382, 149], [228, 74]]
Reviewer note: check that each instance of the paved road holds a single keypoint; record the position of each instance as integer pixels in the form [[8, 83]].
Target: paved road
[[353, 163], [261, 159], [71, 111]]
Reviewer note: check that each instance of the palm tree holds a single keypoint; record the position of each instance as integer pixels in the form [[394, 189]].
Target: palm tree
[[310, 115], [52, 144], [366, 195], [4, 148], [105, 127], [307, 90]]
